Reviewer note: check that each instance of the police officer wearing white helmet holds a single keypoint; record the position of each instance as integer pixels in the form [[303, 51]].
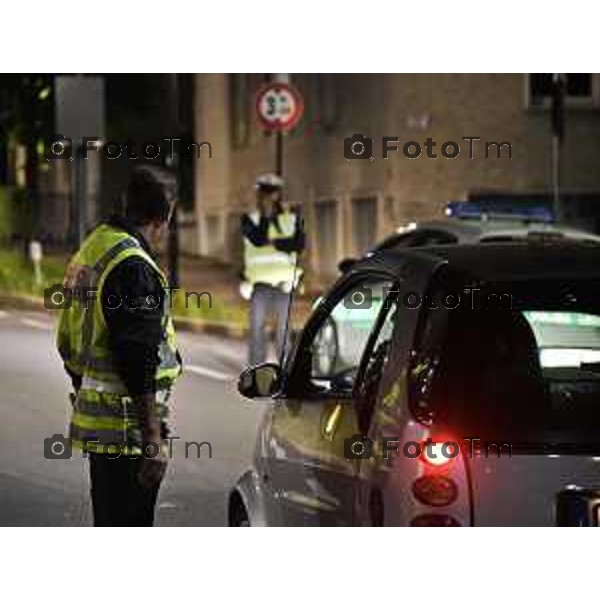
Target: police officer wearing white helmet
[[273, 238]]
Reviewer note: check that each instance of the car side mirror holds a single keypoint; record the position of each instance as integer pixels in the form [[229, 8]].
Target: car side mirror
[[346, 264], [260, 381]]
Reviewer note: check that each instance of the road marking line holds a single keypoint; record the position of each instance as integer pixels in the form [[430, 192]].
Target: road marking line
[[206, 372], [37, 324], [219, 349]]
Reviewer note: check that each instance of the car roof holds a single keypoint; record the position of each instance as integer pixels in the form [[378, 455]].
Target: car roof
[[476, 230], [495, 226], [496, 261]]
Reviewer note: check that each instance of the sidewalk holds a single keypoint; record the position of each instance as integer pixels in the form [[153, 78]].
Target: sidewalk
[[228, 316], [201, 274]]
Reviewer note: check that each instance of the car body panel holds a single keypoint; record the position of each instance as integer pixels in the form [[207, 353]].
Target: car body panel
[[300, 474], [250, 491], [308, 475]]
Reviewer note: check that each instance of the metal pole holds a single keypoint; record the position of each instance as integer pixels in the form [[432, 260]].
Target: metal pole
[[279, 136], [279, 153], [279, 170], [558, 128], [556, 179], [174, 163], [79, 211]]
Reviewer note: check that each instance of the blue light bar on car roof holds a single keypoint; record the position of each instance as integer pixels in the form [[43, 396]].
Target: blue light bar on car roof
[[473, 210]]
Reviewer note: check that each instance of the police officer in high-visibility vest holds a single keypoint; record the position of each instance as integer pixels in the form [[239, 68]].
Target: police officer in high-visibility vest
[[273, 238], [117, 343]]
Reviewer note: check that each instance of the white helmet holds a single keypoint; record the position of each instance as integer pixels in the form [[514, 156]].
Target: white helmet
[[269, 182]]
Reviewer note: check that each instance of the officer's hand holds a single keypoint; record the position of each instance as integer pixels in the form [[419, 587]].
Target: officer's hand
[[152, 471]]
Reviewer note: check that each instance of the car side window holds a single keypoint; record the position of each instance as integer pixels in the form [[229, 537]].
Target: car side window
[[340, 341]]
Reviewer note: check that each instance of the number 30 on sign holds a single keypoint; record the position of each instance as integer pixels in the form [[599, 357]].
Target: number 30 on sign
[[279, 106]]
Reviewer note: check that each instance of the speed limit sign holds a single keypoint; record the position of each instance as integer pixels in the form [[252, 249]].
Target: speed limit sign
[[279, 106]]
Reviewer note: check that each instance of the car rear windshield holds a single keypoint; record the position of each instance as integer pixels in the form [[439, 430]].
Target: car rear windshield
[[525, 368]]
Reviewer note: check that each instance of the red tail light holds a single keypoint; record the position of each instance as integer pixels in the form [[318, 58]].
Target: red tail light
[[437, 454], [435, 490]]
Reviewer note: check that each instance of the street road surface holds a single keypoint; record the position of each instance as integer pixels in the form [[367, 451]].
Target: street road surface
[[34, 405]]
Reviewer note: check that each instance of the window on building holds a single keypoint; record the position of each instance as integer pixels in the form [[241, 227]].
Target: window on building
[[326, 233], [235, 242], [392, 213], [581, 89], [364, 220], [214, 238]]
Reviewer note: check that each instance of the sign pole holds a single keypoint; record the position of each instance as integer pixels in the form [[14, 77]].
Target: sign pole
[[279, 143], [279, 153]]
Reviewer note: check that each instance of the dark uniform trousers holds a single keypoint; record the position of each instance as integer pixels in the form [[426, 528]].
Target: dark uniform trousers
[[118, 500]]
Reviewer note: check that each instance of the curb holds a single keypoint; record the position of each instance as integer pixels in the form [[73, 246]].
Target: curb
[[23, 303], [224, 330]]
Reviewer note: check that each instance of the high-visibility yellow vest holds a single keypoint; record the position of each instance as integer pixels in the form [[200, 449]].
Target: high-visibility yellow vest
[[266, 264], [103, 419]]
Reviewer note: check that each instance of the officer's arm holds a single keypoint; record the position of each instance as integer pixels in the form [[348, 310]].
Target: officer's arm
[[256, 234], [132, 301], [145, 405], [294, 243]]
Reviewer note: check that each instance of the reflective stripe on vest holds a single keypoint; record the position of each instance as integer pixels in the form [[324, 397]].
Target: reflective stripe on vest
[[266, 264], [106, 422], [102, 369]]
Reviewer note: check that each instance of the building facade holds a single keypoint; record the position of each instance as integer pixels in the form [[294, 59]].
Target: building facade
[[349, 204]]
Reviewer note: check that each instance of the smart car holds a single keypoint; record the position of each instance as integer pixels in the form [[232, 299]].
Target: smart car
[[470, 399]]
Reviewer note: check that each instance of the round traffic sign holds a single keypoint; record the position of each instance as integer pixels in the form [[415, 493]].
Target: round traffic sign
[[279, 106]]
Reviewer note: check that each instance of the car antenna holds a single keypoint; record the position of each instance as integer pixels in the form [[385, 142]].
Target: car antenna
[[291, 299]]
